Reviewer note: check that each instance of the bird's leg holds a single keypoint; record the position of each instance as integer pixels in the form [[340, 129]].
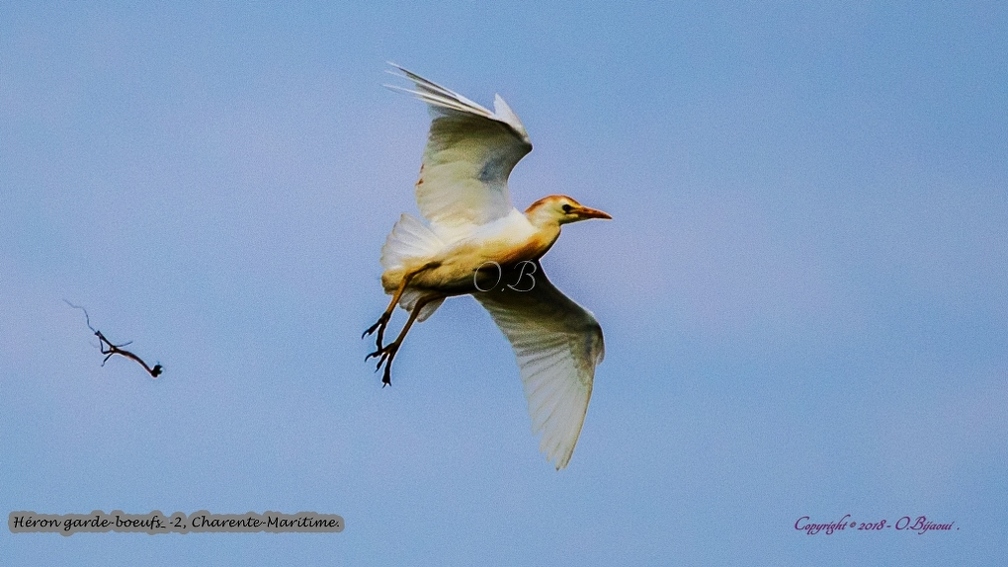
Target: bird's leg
[[387, 315], [386, 353], [382, 322]]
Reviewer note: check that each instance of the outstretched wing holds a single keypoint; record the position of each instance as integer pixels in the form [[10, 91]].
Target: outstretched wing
[[558, 344], [469, 155]]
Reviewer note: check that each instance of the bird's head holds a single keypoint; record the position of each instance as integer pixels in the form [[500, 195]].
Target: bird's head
[[560, 209]]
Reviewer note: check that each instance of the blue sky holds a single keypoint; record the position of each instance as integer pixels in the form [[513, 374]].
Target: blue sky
[[803, 289]]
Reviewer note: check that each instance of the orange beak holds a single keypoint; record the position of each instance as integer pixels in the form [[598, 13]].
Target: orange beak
[[589, 213]]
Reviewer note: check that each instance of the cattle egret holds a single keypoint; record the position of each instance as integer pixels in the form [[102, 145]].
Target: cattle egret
[[476, 243]]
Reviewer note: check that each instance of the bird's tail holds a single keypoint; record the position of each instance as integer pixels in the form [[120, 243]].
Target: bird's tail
[[409, 241]]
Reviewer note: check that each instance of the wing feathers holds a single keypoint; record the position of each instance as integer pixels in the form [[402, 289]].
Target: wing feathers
[[557, 344], [470, 154]]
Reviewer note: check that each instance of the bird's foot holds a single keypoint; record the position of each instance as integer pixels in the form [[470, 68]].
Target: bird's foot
[[385, 354], [379, 326]]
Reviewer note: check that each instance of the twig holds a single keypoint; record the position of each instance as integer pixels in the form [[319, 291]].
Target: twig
[[109, 349]]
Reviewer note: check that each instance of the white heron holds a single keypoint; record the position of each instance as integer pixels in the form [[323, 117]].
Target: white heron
[[475, 242]]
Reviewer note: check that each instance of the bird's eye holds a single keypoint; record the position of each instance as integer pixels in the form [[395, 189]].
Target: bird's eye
[[566, 208]]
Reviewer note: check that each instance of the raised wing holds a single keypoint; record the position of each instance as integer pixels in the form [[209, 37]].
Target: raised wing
[[469, 155], [558, 344]]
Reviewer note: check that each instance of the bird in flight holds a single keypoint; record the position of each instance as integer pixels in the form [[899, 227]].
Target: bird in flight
[[475, 242]]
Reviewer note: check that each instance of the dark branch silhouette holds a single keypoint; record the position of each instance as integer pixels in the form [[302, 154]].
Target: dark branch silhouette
[[109, 349]]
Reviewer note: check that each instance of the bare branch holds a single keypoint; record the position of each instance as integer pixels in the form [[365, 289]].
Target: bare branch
[[109, 349], [86, 318]]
